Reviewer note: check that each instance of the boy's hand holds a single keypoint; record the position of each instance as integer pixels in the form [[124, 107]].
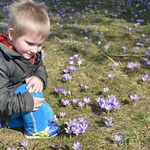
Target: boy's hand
[[38, 84], [37, 103]]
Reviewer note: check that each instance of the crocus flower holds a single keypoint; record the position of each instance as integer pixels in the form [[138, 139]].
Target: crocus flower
[[136, 24], [128, 28], [76, 126], [25, 144], [132, 65], [76, 55], [111, 75], [137, 48], [79, 61], [57, 146], [71, 61], [125, 48], [106, 89], [140, 44], [43, 54], [148, 39], [98, 99], [60, 90], [87, 100], [129, 2], [85, 38], [145, 77], [84, 87], [99, 42], [67, 76], [11, 148], [116, 64], [106, 47], [70, 35], [75, 100], [119, 137], [81, 104], [70, 69], [108, 106], [109, 103], [77, 146], [109, 121], [135, 97], [62, 114], [65, 102], [140, 20]]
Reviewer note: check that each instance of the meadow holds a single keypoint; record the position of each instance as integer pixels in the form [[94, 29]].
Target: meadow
[[98, 62]]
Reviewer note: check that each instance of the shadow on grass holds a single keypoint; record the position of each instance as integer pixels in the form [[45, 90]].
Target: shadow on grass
[[2, 145], [96, 109], [125, 102], [109, 140]]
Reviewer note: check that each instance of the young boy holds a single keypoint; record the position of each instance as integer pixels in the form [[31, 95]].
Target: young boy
[[22, 73]]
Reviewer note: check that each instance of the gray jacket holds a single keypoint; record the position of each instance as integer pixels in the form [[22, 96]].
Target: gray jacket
[[14, 69]]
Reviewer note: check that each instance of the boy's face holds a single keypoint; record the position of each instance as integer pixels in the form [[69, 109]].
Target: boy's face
[[27, 45]]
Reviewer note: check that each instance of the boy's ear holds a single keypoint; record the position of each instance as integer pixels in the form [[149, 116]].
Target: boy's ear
[[10, 34]]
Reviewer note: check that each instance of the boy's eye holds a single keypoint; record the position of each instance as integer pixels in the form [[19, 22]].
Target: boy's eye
[[30, 43], [39, 45], [33, 44]]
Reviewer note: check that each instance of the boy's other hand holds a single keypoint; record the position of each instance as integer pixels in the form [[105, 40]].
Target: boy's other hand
[[37, 103]]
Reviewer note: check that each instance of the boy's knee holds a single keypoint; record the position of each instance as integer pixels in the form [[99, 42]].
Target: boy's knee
[[22, 89]]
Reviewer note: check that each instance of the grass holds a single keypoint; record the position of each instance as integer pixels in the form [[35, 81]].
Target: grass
[[133, 118]]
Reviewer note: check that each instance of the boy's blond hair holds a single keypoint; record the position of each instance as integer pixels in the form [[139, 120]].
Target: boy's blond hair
[[26, 16]]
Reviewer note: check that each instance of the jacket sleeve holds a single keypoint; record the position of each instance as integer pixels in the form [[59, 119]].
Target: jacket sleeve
[[41, 72], [10, 102]]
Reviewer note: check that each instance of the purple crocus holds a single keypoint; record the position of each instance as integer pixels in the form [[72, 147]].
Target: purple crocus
[[106, 89], [76, 126], [77, 146], [79, 61], [70, 69], [106, 47], [136, 24], [135, 97], [128, 28], [67, 76], [109, 103], [25, 144], [84, 87], [71, 61], [76, 55], [57, 146], [60, 90], [75, 100], [109, 121], [145, 77], [99, 42], [140, 44], [87, 100], [125, 48], [116, 64], [62, 114], [11, 148], [65, 102], [119, 137], [81, 104], [43, 54], [132, 65], [111, 75], [137, 48]]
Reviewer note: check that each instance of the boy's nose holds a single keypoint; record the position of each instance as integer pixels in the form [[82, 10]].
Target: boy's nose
[[34, 50]]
